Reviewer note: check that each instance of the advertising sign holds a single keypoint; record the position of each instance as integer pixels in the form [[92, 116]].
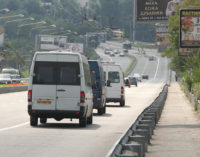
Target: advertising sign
[[151, 11], [184, 51], [50, 42], [1, 36], [75, 47], [190, 28]]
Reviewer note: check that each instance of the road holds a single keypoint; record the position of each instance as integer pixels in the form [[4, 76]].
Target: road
[[65, 138]]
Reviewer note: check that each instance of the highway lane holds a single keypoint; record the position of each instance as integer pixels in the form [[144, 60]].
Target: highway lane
[[65, 138]]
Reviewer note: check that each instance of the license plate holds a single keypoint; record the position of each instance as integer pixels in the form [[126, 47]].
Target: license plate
[[43, 102]]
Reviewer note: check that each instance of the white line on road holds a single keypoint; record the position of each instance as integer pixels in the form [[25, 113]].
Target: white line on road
[[157, 68], [13, 127]]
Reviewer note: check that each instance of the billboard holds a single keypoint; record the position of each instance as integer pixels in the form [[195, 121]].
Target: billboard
[[155, 10], [1, 36], [75, 47], [184, 51], [51, 42], [190, 28]]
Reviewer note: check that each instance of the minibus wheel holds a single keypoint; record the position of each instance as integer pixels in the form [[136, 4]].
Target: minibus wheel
[[43, 120], [90, 119], [33, 121], [83, 121]]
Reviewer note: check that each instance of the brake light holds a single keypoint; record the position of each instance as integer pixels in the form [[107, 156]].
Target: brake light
[[122, 90], [82, 97], [100, 93], [30, 96]]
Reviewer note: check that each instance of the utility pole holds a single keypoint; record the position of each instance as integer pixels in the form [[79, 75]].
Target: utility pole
[[134, 18]]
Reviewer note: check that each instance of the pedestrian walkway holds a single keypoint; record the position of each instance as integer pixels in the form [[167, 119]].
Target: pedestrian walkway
[[178, 132]]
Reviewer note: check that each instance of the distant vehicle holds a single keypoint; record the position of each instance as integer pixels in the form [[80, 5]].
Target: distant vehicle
[[121, 54], [127, 82], [10, 71], [115, 51], [16, 78], [127, 46], [125, 50], [60, 87], [151, 58], [145, 76], [133, 80], [115, 83], [112, 54], [98, 86], [138, 77], [5, 79], [107, 51]]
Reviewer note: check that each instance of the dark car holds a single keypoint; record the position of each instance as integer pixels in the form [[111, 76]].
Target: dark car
[[133, 80], [127, 82], [98, 86], [145, 77]]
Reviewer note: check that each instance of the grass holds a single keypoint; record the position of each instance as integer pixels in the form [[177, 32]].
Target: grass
[[131, 66], [145, 45]]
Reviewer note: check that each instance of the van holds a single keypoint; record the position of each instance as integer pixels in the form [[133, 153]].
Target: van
[[114, 83], [60, 87], [98, 86]]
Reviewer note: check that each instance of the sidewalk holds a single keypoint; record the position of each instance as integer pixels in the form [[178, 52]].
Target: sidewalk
[[178, 132]]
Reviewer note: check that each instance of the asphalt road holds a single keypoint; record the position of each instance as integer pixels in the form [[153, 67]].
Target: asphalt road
[[65, 138]]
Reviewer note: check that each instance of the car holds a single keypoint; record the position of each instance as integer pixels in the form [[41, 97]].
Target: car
[[60, 87], [115, 51], [138, 77], [121, 54], [151, 58], [127, 82], [133, 80], [144, 76], [114, 83], [107, 51], [98, 86], [5, 78], [126, 50], [112, 54], [16, 78]]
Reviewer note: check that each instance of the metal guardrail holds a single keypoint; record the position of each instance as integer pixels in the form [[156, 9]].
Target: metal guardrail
[[136, 139]]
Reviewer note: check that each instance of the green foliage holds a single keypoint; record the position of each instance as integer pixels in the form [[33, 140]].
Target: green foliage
[[90, 53]]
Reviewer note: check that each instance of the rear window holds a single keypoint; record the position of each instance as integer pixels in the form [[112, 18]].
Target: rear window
[[56, 73], [113, 76]]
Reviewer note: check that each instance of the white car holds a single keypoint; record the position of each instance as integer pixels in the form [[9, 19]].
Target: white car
[[138, 77], [60, 87], [5, 78], [121, 54]]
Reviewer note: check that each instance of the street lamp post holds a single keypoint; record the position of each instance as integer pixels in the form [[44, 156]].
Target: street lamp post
[[41, 27], [5, 17], [4, 10], [18, 20]]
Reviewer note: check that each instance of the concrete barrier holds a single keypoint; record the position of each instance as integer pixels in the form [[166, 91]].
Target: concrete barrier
[[13, 89]]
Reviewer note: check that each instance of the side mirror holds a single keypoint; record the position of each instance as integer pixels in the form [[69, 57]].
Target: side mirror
[[108, 83]]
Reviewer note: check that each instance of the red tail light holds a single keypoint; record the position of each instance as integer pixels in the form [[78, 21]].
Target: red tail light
[[100, 93], [30, 96], [122, 90], [82, 97]]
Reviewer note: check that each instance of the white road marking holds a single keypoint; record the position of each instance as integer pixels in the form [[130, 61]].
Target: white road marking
[[157, 68], [13, 127]]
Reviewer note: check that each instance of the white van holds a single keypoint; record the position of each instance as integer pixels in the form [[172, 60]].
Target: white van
[[115, 83], [60, 87]]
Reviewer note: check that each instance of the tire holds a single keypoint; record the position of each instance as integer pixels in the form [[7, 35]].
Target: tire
[[33, 121], [90, 119], [43, 120], [104, 109], [83, 121], [122, 103], [100, 111]]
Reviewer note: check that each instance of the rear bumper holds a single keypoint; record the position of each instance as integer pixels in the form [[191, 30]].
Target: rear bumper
[[56, 113], [115, 99]]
